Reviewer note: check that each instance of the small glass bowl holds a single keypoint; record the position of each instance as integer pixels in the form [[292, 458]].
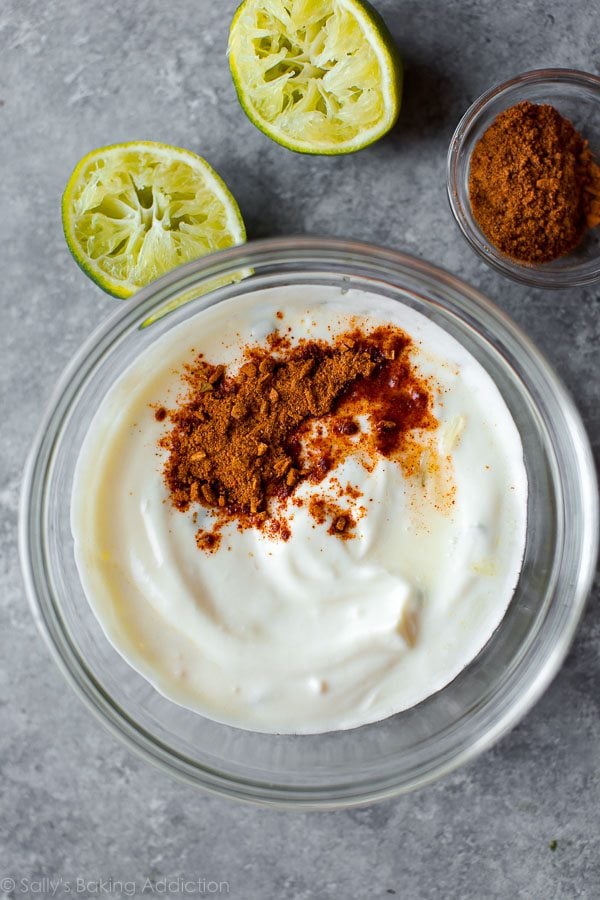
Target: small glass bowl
[[576, 95], [418, 745]]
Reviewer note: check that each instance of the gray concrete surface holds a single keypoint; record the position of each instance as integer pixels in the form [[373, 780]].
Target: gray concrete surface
[[523, 820]]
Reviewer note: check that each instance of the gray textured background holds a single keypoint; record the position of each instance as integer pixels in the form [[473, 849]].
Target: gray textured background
[[75, 74]]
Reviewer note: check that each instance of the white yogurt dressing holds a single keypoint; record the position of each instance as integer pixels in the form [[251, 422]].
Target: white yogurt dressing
[[302, 636]]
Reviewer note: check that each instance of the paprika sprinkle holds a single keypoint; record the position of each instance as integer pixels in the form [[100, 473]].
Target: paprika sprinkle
[[533, 184], [241, 443]]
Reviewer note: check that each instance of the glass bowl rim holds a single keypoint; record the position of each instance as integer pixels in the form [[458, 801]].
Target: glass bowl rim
[[49, 621], [541, 277]]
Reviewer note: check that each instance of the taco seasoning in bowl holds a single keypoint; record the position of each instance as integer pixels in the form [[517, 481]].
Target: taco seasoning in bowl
[[524, 177], [533, 184]]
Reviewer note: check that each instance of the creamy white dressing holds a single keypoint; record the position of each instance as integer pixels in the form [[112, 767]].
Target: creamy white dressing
[[310, 634]]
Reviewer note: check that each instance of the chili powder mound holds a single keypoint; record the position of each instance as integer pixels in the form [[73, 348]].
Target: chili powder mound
[[240, 443], [533, 184]]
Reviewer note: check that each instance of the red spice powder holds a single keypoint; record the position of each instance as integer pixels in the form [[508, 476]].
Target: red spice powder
[[533, 184], [241, 443]]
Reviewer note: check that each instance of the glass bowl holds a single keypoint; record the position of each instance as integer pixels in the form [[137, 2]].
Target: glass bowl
[[409, 749], [576, 95]]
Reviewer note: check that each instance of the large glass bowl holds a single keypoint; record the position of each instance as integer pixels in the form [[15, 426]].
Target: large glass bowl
[[409, 749]]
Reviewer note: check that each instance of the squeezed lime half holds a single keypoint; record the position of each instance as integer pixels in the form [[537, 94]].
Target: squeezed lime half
[[317, 76], [132, 212]]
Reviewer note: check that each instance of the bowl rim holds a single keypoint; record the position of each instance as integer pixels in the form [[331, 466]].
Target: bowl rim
[[49, 622], [541, 276]]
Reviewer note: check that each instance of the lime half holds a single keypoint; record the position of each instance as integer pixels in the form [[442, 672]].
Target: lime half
[[318, 76], [132, 212]]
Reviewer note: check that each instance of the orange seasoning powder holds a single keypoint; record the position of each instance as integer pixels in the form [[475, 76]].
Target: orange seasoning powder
[[533, 184], [239, 444]]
